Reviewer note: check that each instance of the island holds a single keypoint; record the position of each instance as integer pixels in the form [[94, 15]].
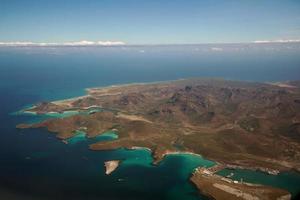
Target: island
[[243, 124], [111, 166]]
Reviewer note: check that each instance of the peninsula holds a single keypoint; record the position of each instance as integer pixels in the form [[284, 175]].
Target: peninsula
[[231, 122]]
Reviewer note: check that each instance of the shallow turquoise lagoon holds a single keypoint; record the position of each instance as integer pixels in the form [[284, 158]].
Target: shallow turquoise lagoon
[[80, 136]]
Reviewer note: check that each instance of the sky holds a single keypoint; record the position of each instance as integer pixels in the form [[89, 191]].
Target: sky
[[149, 22]]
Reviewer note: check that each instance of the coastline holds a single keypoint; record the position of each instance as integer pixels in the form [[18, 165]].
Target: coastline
[[144, 128], [89, 90], [223, 188]]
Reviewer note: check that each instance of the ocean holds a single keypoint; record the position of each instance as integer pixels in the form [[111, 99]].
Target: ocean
[[36, 165]]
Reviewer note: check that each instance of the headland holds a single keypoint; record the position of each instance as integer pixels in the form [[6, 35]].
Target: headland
[[234, 123]]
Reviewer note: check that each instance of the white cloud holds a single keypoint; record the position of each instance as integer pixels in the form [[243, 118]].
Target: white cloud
[[78, 43], [277, 41], [16, 43], [109, 43], [216, 49]]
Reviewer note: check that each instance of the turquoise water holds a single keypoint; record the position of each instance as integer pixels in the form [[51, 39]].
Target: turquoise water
[[142, 158], [62, 115], [80, 136], [109, 135], [189, 163], [286, 180], [35, 118], [177, 167]]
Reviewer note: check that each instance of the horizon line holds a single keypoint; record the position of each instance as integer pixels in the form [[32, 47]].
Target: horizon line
[[86, 43]]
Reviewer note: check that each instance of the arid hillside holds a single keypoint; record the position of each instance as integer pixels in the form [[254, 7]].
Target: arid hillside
[[243, 123]]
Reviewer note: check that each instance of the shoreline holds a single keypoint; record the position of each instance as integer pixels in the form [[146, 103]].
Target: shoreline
[[155, 116], [112, 165], [89, 89], [67, 101], [222, 188]]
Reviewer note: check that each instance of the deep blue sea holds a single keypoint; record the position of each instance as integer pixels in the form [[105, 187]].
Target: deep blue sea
[[36, 165]]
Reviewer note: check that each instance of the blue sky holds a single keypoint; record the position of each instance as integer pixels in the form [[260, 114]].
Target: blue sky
[[149, 22]]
